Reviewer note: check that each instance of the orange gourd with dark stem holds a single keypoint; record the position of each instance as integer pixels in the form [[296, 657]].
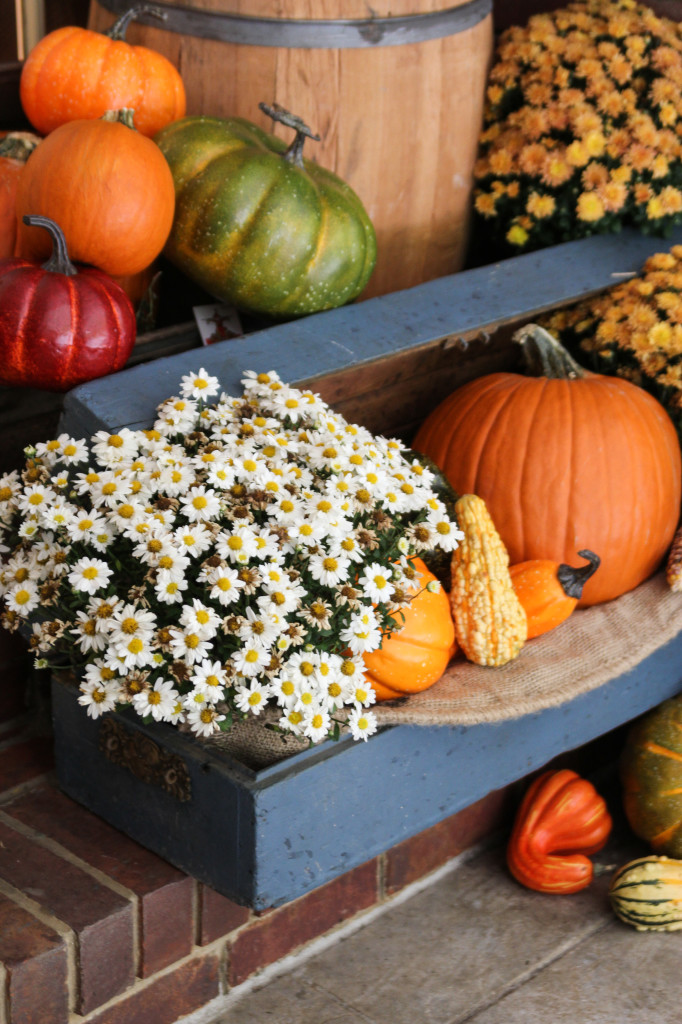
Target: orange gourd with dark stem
[[75, 73], [564, 459], [549, 592], [415, 657], [561, 821], [109, 189]]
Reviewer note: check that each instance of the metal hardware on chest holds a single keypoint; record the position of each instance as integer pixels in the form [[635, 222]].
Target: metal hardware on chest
[[311, 33], [145, 759]]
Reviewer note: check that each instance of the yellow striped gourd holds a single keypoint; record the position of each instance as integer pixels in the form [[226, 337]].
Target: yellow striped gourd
[[647, 893]]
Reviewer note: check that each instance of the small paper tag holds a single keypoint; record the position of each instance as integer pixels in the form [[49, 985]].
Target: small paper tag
[[217, 322]]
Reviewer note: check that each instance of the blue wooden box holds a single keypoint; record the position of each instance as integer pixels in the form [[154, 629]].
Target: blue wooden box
[[263, 837]]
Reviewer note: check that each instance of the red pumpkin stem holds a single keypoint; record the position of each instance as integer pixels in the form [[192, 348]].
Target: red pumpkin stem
[[544, 356], [59, 262], [573, 580], [294, 154], [120, 27]]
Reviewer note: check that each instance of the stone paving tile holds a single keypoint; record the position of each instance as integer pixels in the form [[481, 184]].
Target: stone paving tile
[[456, 946], [619, 976], [289, 1000]]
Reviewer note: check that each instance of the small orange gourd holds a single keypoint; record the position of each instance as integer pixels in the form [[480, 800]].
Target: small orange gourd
[[550, 591], [416, 655], [562, 819]]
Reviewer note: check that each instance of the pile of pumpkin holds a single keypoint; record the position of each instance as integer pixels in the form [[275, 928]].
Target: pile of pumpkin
[[119, 175]]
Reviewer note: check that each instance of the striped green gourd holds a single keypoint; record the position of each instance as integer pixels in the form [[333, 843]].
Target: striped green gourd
[[647, 894]]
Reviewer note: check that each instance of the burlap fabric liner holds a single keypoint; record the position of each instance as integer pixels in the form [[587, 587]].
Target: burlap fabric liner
[[593, 646]]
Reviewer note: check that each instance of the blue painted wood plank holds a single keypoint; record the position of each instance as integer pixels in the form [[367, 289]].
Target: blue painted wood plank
[[365, 331]]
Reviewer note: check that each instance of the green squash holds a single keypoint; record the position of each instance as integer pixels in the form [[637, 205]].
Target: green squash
[[651, 776], [258, 226]]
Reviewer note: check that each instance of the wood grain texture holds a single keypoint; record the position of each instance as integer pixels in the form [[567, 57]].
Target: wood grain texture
[[400, 123]]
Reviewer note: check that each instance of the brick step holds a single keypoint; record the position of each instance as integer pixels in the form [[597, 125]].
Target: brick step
[[93, 924]]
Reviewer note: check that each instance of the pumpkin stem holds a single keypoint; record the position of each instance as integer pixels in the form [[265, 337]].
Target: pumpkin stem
[[544, 356], [120, 27], [294, 154], [59, 262], [124, 116], [18, 145], [573, 580]]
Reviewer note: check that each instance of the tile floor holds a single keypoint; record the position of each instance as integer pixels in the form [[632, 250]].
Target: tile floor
[[476, 946]]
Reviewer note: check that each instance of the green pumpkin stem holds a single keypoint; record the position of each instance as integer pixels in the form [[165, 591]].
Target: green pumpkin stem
[[543, 355], [573, 580], [120, 27], [18, 145], [123, 116], [294, 154], [59, 262]]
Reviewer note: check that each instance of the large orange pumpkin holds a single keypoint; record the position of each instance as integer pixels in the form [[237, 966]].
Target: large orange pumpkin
[[75, 73], [414, 657], [565, 460], [109, 189]]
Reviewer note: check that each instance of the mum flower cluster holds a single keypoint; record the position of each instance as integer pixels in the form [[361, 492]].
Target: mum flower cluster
[[583, 128], [239, 555], [634, 330]]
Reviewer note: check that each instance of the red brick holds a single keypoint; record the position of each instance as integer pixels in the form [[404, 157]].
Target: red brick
[[415, 857], [272, 936], [12, 690], [178, 993], [219, 916], [166, 895], [101, 920], [12, 646], [23, 760], [35, 959]]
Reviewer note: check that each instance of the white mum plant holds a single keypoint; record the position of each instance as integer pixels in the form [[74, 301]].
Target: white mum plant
[[238, 556]]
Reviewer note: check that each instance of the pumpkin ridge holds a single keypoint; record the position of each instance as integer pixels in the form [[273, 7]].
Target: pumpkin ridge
[[656, 748]]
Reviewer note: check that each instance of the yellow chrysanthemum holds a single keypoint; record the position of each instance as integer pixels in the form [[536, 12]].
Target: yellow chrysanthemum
[[589, 207]]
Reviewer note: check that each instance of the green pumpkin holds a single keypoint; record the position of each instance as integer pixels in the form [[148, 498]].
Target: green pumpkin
[[257, 225], [651, 774]]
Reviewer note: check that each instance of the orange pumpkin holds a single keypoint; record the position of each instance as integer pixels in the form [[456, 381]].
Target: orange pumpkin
[[75, 73], [15, 149], [549, 593], [415, 656], [564, 460], [108, 187]]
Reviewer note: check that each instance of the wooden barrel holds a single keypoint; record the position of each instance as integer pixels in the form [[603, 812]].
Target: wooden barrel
[[396, 97]]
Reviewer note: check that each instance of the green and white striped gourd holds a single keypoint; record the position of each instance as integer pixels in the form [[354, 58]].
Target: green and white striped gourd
[[647, 893]]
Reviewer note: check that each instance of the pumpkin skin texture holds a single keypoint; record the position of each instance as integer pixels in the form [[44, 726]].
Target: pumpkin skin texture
[[15, 149], [647, 894], [109, 189], [75, 73], [560, 822], [565, 463], [651, 777], [269, 234], [549, 593], [60, 326], [416, 656]]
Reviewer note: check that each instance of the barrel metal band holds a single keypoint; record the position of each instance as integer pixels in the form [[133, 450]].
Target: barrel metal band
[[311, 34]]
